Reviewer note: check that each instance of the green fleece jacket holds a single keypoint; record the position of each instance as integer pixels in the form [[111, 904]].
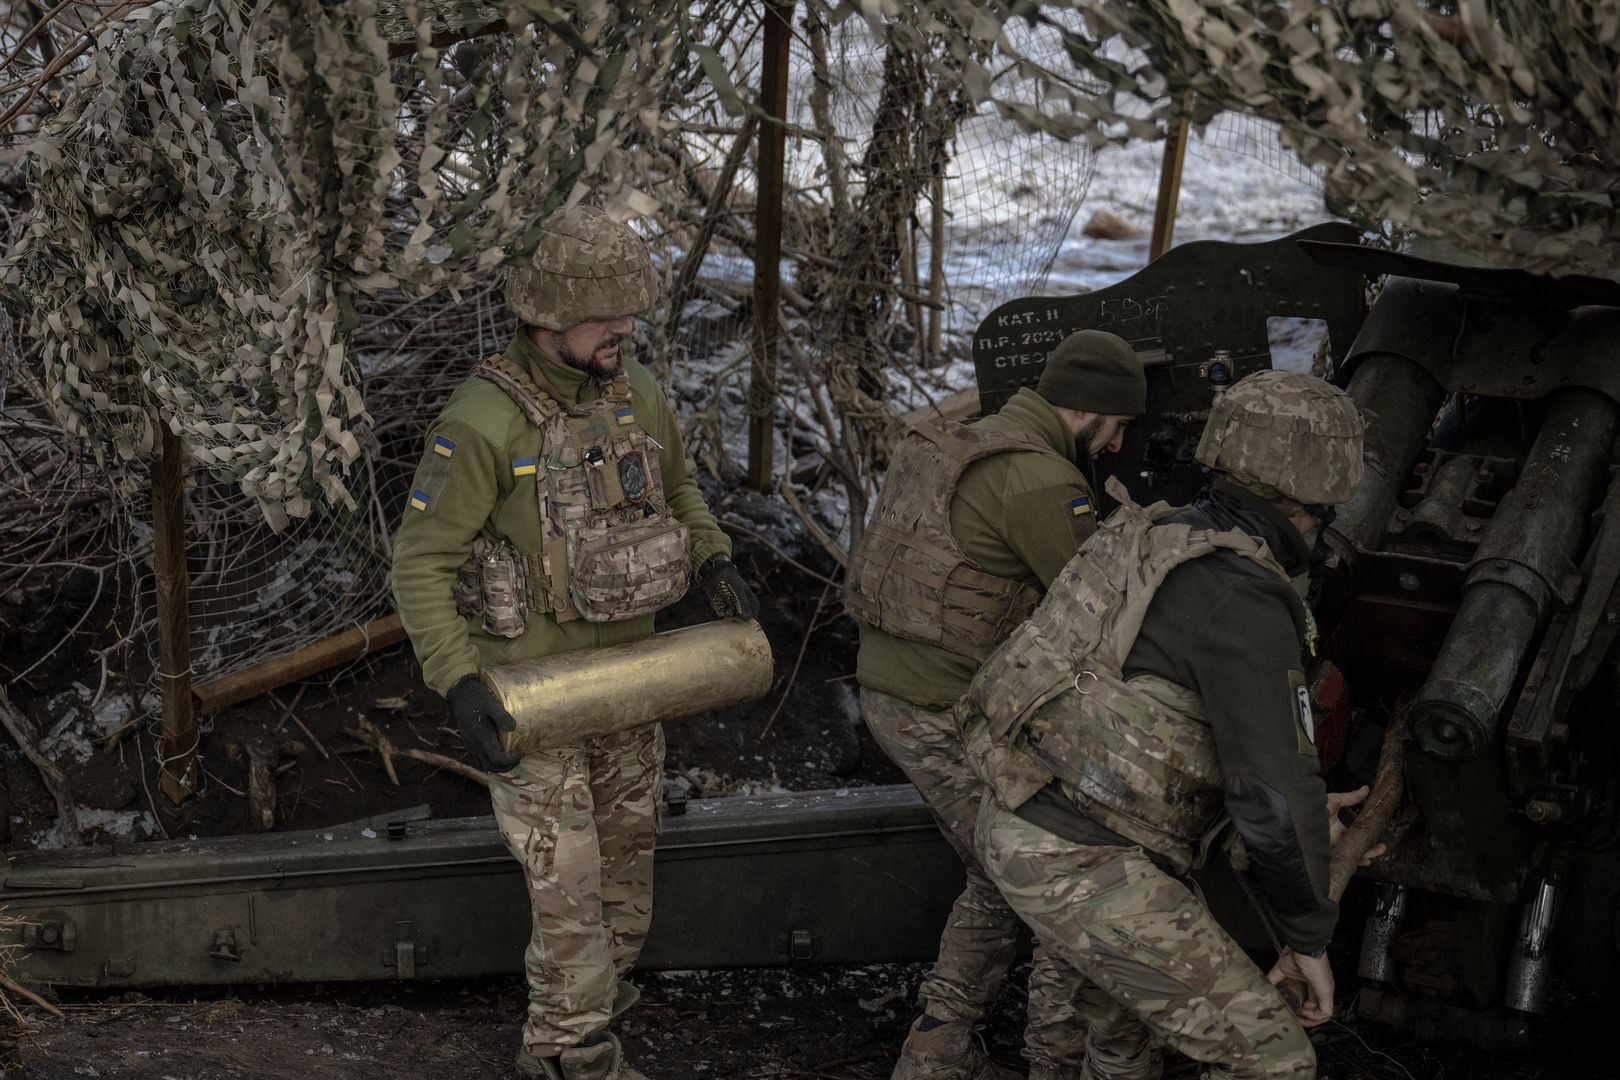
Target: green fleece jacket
[[473, 491], [1012, 514]]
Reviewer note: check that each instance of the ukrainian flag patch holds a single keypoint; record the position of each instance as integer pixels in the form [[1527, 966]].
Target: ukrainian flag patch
[[1079, 506], [624, 416], [443, 446], [419, 500], [523, 466]]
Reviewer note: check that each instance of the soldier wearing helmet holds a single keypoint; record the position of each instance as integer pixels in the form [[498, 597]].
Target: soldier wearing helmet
[[973, 522], [1159, 685], [554, 508]]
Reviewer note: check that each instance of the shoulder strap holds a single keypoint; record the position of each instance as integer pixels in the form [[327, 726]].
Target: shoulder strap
[[539, 406], [967, 443]]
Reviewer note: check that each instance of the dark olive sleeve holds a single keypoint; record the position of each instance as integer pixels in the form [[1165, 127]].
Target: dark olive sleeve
[[1234, 637]]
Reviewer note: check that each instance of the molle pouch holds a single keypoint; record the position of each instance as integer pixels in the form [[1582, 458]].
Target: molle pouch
[[626, 571], [466, 590], [504, 587]]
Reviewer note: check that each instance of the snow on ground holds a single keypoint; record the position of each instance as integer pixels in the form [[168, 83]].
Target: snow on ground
[[138, 824], [81, 721], [1018, 205]]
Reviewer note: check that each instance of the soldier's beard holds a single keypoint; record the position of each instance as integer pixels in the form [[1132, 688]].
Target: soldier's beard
[[600, 370], [1082, 442]]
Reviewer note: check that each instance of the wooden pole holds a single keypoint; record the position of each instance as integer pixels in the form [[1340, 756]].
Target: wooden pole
[[174, 643], [778, 20], [323, 655], [1164, 210]]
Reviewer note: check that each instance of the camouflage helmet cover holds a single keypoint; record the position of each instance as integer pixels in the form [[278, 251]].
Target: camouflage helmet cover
[[1289, 430], [586, 268]]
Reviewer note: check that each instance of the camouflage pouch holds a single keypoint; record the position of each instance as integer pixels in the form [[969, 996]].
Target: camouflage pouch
[[467, 589], [503, 587], [626, 571]]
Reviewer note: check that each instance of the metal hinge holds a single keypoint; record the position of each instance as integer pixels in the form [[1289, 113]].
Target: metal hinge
[[406, 954], [224, 947], [58, 933], [797, 944]]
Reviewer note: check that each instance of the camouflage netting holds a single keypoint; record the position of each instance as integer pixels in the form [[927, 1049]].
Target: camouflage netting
[[179, 212], [277, 227]]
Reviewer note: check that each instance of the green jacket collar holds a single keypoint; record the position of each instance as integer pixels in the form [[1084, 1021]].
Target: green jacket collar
[[1029, 412], [569, 385]]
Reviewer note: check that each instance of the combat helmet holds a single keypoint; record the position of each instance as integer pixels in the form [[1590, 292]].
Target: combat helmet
[[1288, 431], [586, 267]]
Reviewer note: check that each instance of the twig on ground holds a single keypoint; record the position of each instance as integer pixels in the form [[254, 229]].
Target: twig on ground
[[809, 630], [18, 988], [56, 782]]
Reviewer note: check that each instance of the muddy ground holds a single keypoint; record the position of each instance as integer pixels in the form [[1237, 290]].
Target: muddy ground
[[831, 1023]]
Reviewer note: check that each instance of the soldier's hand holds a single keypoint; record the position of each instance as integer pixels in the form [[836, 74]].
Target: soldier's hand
[[1338, 800], [1316, 974], [729, 595], [478, 714]]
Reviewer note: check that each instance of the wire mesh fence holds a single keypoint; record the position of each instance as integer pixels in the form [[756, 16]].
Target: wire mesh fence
[[980, 217]]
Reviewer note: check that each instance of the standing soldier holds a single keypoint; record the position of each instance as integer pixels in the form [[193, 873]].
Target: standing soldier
[[973, 524], [555, 509], [1159, 683]]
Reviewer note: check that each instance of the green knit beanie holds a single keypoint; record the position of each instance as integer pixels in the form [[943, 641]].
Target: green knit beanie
[[1097, 372]]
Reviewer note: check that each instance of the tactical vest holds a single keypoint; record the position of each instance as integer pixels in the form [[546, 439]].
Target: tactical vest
[[909, 576], [610, 548], [1052, 703]]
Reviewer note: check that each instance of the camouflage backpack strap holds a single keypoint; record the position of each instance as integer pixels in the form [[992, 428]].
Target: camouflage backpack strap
[[967, 443], [539, 406]]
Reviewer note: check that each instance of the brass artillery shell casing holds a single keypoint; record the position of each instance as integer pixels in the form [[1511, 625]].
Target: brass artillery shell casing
[[564, 699]]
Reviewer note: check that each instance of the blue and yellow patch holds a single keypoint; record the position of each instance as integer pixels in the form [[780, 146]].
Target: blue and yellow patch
[[524, 466], [443, 446], [1079, 506], [420, 500], [624, 416]]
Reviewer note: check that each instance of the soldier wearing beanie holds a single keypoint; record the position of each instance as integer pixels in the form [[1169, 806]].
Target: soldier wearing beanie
[[973, 523], [556, 447]]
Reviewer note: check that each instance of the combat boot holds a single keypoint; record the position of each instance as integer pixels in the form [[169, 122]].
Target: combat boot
[[601, 1059], [946, 1052]]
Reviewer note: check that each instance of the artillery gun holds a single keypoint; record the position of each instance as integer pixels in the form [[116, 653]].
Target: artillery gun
[[1472, 585]]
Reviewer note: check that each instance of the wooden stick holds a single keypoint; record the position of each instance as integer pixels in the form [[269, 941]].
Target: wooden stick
[[367, 733], [261, 678], [56, 782], [16, 987], [261, 788], [1388, 786]]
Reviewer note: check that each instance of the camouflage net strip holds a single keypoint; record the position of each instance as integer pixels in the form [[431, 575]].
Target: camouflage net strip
[[233, 175]]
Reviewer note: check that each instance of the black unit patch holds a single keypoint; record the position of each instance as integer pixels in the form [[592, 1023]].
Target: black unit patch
[[633, 476]]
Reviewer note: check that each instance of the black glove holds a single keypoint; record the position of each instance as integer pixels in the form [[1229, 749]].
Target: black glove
[[477, 713], [729, 595]]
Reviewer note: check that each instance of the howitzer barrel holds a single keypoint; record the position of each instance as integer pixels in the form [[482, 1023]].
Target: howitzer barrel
[[564, 699], [1522, 565], [1400, 400]]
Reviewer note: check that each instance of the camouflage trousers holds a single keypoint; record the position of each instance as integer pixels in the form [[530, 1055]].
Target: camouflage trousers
[[581, 820], [1151, 945], [981, 936]]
